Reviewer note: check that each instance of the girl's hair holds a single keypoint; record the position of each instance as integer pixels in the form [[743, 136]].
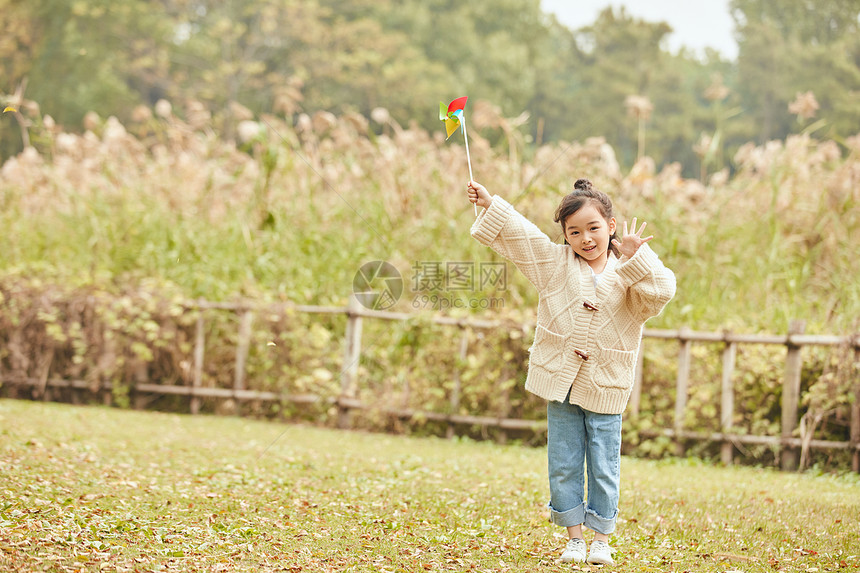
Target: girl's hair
[[584, 194]]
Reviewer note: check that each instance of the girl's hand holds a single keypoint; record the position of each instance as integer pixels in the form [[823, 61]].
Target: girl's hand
[[632, 240], [478, 194]]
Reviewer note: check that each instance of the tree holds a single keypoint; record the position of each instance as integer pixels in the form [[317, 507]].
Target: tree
[[621, 56], [89, 54], [796, 46]]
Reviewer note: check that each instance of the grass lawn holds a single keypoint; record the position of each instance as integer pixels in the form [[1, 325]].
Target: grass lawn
[[98, 489]]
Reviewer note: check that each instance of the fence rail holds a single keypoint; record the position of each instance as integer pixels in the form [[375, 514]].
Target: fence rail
[[794, 340]]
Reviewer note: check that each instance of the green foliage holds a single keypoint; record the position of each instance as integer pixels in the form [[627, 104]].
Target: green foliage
[[129, 224], [235, 60], [796, 48]]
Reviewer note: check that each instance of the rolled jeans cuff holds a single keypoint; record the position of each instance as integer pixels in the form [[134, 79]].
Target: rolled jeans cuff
[[600, 524], [569, 518]]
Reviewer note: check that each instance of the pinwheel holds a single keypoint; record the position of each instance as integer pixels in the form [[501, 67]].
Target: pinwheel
[[454, 117]]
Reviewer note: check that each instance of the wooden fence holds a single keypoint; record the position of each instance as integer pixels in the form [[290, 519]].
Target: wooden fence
[[347, 402]]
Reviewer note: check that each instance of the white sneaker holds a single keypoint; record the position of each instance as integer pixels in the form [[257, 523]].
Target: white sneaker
[[575, 551], [600, 554]]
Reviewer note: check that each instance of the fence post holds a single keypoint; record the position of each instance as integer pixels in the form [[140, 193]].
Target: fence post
[[681, 388], [199, 347], [727, 403], [791, 395], [855, 410], [141, 376], [351, 358], [454, 399], [242, 347]]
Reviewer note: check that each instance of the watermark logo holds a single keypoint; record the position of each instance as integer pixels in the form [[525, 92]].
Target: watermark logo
[[447, 300], [377, 285], [458, 276], [436, 285], [439, 285]]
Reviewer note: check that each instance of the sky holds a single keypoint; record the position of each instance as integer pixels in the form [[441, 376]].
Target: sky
[[696, 24]]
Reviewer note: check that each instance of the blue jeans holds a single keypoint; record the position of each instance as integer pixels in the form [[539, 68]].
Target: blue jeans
[[578, 438]]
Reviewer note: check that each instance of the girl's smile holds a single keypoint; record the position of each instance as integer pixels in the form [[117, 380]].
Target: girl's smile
[[588, 234]]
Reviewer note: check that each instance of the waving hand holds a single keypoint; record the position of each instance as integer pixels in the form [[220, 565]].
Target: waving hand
[[631, 240]]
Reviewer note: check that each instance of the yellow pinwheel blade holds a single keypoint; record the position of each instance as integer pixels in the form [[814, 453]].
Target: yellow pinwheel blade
[[451, 125]]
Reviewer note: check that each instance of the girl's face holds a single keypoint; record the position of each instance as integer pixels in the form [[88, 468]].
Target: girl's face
[[587, 233]]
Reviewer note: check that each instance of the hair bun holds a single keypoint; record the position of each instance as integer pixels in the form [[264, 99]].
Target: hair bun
[[582, 184]]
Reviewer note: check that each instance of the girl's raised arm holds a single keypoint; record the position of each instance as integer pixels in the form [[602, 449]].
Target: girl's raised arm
[[510, 234]]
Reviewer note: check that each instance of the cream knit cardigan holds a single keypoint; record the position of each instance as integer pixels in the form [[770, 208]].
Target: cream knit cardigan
[[586, 339]]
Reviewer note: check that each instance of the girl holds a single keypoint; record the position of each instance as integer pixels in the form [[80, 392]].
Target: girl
[[596, 292]]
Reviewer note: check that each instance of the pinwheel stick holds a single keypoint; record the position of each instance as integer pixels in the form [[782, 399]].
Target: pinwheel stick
[[468, 158]]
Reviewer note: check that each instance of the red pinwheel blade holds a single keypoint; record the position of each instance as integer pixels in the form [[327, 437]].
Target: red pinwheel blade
[[459, 103]]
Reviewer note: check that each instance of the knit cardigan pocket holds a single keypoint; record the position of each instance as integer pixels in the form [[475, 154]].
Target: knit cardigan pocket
[[547, 351], [615, 368]]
